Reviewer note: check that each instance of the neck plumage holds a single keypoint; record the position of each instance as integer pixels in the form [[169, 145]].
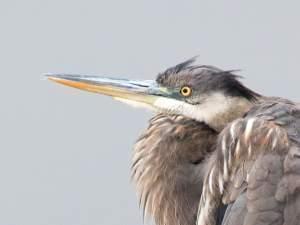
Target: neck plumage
[[237, 109], [168, 168]]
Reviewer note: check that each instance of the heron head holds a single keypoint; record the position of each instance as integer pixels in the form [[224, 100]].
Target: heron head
[[203, 93]]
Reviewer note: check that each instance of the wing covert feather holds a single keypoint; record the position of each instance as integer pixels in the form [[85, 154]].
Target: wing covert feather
[[256, 171]]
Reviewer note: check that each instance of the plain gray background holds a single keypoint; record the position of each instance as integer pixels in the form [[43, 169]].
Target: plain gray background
[[65, 154]]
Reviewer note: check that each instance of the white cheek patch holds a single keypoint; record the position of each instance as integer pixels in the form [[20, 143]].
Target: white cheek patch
[[206, 111], [168, 104], [179, 107]]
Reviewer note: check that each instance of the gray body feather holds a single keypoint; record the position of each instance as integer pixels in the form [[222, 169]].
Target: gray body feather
[[257, 168]]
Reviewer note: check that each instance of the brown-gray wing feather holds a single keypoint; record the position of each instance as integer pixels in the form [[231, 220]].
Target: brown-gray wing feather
[[256, 169]]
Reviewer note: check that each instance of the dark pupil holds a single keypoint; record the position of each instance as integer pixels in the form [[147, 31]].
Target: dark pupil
[[185, 90]]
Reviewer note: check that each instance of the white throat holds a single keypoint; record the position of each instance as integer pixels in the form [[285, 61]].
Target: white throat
[[216, 110]]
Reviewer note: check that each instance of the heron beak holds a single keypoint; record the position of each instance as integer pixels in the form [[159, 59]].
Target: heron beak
[[129, 91]]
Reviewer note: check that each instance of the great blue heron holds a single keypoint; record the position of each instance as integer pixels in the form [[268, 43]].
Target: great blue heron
[[212, 139]]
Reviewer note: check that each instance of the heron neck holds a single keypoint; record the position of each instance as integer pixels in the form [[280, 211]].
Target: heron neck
[[236, 109]]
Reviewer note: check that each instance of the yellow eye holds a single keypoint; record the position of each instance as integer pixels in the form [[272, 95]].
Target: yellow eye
[[186, 91]]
